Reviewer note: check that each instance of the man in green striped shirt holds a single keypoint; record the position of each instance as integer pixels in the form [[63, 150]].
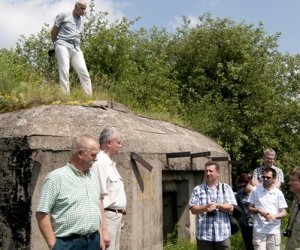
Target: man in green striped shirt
[[69, 214]]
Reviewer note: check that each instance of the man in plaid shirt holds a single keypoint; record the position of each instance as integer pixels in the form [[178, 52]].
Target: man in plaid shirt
[[211, 202], [268, 161]]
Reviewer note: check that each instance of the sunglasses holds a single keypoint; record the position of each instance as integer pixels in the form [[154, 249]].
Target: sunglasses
[[266, 177]]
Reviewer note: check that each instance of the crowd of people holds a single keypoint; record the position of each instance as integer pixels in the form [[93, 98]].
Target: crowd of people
[[259, 201], [82, 204]]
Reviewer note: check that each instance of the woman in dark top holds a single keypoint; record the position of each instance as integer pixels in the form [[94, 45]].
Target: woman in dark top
[[246, 220]]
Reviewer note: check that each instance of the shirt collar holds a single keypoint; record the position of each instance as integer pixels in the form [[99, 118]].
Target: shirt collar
[[214, 188], [78, 172], [106, 157]]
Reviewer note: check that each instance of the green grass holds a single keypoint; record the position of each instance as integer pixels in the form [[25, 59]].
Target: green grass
[[185, 244], [33, 93]]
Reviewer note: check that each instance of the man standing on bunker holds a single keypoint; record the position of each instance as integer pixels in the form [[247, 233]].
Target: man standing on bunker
[[65, 35]]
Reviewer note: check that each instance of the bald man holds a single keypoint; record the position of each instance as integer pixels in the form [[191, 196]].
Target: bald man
[[69, 212]]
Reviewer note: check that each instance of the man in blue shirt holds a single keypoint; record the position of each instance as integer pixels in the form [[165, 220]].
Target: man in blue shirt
[[211, 202]]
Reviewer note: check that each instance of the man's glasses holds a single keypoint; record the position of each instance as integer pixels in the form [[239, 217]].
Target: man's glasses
[[266, 177]]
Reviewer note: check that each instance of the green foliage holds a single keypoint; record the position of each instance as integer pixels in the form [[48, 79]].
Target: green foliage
[[34, 50], [173, 243], [237, 242], [135, 63], [236, 88]]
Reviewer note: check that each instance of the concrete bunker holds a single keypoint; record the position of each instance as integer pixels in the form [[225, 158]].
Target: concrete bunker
[[160, 163]]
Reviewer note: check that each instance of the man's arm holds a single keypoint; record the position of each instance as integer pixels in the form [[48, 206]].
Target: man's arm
[[104, 230], [211, 207], [254, 210], [226, 207], [200, 209], [54, 33], [280, 215], [45, 226]]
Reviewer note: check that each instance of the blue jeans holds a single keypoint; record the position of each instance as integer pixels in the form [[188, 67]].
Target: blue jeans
[[69, 243]]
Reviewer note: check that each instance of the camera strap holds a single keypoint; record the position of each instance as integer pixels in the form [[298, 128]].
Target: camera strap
[[291, 221], [215, 197]]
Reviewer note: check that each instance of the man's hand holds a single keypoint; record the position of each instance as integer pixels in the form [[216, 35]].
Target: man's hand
[[105, 237], [212, 206], [51, 245], [45, 226], [102, 245], [270, 217]]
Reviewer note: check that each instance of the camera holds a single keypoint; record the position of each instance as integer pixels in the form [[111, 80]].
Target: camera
[[287, 233], [211, 213]]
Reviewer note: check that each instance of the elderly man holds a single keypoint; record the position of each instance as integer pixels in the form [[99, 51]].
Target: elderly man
[[293, 228], [268, 161], [111, 184], [268, 205], [65, 34], [211, 202], [68, 213]]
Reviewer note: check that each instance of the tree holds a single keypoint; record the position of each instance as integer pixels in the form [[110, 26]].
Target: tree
[[233, 85]]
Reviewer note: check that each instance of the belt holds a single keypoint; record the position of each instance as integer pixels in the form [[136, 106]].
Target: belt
[[116, 210], [79, 236]]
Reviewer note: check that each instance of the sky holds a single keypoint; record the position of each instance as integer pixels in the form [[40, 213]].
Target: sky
[[26, 17]]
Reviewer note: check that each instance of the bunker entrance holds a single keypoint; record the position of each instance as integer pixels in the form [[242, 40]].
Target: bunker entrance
[[177, 188]]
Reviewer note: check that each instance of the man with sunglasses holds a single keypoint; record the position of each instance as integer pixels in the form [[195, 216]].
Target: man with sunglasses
[[268, 206]]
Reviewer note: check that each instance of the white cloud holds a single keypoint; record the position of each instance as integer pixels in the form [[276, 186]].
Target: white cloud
[[26, 17]]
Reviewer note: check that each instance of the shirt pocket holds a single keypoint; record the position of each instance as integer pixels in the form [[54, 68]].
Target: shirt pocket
[[113, 182]]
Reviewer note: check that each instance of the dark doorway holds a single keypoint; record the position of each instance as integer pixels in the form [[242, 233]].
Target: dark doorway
[[169, 214], [177, 188]]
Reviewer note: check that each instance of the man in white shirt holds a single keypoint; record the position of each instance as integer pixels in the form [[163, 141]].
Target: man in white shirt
[[268, 205], [111, 185]]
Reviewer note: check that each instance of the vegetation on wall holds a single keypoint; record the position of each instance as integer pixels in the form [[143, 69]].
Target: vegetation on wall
[[223, 79]]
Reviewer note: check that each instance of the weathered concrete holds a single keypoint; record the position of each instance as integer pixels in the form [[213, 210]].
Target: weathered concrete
[[34, 142]]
